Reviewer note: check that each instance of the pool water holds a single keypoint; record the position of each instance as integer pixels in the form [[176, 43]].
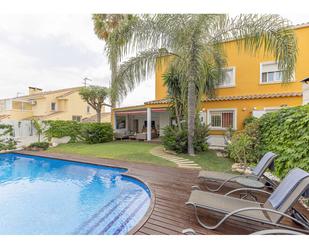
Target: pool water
[[48, 196]]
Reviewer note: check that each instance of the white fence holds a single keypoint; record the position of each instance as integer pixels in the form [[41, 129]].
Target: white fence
[[24, 132]]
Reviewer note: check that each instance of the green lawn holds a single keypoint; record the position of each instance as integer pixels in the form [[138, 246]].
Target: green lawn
[[208, 160], [122, 150], [140, 152]]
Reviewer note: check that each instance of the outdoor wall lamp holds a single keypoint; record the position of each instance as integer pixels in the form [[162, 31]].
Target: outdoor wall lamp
[[306, 80]]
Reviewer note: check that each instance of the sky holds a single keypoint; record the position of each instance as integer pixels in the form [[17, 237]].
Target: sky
[[57, 51]]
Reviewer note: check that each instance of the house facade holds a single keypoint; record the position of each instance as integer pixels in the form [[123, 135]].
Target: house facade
[[252, 86], [62, 104]]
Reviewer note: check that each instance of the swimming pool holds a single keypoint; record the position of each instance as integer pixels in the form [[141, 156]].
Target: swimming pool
[[49, 196]]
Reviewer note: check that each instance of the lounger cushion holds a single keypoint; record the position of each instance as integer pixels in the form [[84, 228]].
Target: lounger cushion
[[225, 204], [216, 176], [267, 161], [286, 187]]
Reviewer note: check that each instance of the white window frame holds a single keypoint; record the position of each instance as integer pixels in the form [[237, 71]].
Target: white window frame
[[233, 83], [75, 116], [272, 108], [222, 109], [272, 82]]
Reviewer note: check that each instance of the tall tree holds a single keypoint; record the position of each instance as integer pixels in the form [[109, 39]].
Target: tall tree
[[95, 96], [176, 93], [114, 30], [197, 43]]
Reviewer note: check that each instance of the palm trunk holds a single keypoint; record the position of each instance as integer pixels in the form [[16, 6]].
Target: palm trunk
[[191, 95], [177, 115], [191, 116]]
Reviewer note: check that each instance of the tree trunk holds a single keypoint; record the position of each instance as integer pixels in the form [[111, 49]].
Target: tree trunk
[[177, 115], [191, 94], [191, 115], [99, 115]]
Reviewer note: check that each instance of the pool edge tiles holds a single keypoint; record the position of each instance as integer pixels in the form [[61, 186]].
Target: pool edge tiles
[[127, 216]]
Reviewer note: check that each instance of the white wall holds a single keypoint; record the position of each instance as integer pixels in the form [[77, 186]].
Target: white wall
[[164, 121], [305, 93], [24, 132]]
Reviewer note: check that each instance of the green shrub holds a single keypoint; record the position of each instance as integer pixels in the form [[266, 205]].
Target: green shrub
[[7, 141], [94, 133], [177, 140], [245, 145], [42, 145], [249, 120], [62, 128], [286, 132], [87, 132]]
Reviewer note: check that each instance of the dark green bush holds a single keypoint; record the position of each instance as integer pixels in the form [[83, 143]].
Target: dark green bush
[[286, 132], [62, 128], [42, 145], [87, 132], [94, 133], [7, 141], [177, 140]]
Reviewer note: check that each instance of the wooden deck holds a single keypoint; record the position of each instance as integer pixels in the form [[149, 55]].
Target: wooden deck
[[171, 188]]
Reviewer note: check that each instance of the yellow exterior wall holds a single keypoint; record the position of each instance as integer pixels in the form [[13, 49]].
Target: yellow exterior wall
[[248, 80], [66, 107], [244, 108], [72, 106], [248, 70], [161, 68]]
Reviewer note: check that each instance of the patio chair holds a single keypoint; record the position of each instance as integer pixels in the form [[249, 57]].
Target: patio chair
[[267, 161], [277, 232], [277, 206]]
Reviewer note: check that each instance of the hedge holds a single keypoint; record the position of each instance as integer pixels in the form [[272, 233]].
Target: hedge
[[62, 128], [286, 132], [86, 132]]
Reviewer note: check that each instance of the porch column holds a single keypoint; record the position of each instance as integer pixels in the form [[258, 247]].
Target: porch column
[[148, 124], [127, 122], [115, 120]]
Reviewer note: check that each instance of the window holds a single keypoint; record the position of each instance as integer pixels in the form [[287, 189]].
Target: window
[[77, 118], [8, 104], [88, 109], [202, 116], [120, 122], [228, 77], [270, 73], [53, 106], [222, 119]]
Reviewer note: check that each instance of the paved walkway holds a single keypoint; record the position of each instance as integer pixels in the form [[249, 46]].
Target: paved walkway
[[179, 161]]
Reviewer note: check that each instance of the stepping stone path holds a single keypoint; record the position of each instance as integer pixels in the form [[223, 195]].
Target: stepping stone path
[[179, 161]]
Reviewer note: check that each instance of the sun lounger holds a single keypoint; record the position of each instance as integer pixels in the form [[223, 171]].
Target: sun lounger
[[266, 162], [271, 212]]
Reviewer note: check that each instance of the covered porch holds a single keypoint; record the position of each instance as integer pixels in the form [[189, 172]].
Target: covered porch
[[140, 122]]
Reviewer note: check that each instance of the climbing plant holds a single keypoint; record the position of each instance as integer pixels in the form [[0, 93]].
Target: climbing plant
[[7, 141]]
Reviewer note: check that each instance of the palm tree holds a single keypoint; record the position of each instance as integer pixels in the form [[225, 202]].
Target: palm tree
[[107, 27], [197, 43], [176, 93]]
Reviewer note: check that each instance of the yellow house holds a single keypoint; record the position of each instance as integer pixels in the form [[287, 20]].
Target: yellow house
[[62, 104], [252, 86]]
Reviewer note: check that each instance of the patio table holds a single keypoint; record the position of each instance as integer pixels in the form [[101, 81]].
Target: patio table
[[250, 184]]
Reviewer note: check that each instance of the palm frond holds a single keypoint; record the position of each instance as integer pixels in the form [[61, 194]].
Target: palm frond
[[269, 33], [137, 69]]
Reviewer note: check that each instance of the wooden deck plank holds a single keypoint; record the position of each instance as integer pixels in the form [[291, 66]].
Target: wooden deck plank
[[171, 187]]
